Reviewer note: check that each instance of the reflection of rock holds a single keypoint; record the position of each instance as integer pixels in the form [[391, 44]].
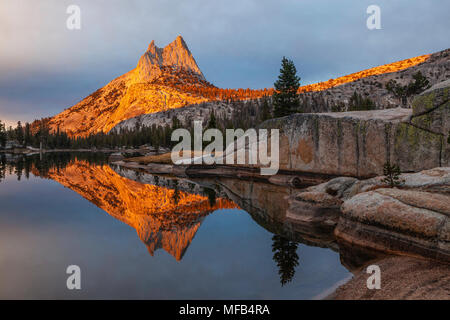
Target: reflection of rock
[[161, 181], [268, 206], [320, 204], [116, 156], [265, 202], [401, 278], [175, 241], [163, 217], [354, 257]]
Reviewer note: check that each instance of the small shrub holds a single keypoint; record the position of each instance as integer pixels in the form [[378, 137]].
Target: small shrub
[[392, 173]]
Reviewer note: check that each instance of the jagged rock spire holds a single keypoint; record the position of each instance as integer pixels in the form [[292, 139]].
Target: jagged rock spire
[[176, 54]]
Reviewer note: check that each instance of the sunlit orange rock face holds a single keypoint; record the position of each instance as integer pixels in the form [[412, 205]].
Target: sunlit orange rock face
[[150, 87], [169, 78], [163, 217], [386, 68]]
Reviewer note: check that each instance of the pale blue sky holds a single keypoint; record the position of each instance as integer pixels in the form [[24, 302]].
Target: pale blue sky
[[45, 68]]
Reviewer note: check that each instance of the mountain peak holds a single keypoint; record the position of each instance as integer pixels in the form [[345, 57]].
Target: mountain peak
[[175, 55], [151, 46], [179, 41]]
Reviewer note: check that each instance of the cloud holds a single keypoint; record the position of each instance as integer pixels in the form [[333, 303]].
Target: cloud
[[236, 43]]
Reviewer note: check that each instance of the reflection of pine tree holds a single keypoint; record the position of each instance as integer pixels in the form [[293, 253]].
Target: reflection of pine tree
[[176, 195], [285, 255], [211, 196], [2, 167], [19, 168], [176, 192]]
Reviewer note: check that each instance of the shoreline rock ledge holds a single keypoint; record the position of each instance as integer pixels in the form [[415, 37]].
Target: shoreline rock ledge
[[359, 143], [413, 219]]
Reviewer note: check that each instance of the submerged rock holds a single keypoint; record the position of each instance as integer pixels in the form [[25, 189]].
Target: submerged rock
[[116, 156]]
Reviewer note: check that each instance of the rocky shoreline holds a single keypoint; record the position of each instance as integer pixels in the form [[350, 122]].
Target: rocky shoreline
[[402, 278], [283, 178], [413, 219]]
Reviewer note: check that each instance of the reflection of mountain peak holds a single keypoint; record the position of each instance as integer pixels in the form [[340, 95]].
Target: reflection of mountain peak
[[163, 217], [174, 242]]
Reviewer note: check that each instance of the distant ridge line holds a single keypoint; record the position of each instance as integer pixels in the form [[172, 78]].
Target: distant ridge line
[[385, 68]]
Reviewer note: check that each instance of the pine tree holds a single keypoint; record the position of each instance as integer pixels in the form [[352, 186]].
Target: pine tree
[[420, 84], [358, 103], [27, 135], [19, 132], [402, 93], [265, 110], [212, 124], [176, 123], [285, 97], [2, 135]]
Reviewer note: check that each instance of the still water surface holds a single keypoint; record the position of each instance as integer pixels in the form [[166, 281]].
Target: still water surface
[[154, 238]]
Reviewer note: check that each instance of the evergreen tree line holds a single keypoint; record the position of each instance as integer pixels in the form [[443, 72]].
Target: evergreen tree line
[[24, 136], [247, 114], [359, 103], [416, 86]]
